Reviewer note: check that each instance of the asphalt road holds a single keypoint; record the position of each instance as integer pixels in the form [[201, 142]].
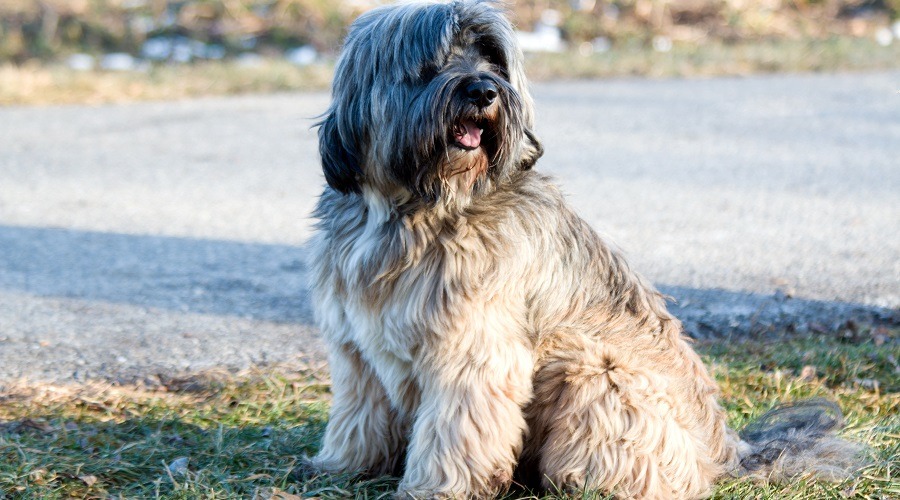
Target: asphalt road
[[156, 238]]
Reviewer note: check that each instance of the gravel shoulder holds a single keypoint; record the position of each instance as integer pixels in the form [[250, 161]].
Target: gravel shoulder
[[157, 237]]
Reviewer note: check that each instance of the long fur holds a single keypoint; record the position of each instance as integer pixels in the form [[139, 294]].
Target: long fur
[[475, 323]]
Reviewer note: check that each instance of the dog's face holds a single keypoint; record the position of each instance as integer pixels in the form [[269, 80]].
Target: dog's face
[[429, 103]]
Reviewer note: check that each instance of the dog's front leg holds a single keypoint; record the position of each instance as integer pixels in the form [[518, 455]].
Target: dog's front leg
[[364, 433], [469, 426]]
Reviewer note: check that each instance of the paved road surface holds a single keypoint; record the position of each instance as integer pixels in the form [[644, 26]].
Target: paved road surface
[[161, 237]]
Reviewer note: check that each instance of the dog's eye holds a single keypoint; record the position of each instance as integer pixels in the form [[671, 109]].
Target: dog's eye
[[496, 58], [501, 70]]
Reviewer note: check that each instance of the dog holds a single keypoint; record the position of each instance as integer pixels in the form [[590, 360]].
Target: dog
[[477, 327]]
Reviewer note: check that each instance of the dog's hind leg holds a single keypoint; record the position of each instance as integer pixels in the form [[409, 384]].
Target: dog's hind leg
[[364, 433], [602, 421]]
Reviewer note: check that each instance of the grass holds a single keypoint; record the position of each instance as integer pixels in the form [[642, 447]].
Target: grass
[[720, 59], [37, 84], [56, 84], [240, 435]]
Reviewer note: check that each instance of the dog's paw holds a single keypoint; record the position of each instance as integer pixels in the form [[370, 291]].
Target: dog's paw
[[498, 483], [422, 495], [306, 470]]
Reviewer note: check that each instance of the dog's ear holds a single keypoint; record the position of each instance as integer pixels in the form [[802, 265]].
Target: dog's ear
[[340, 162], [532, 150]]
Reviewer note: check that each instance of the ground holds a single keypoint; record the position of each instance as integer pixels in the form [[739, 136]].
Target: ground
[[168, 237], [155, 329]]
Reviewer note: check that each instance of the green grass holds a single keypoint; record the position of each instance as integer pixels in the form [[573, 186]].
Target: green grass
[[242, 434]]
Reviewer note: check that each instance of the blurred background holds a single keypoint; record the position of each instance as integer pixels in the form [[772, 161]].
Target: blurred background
[[115, 50]]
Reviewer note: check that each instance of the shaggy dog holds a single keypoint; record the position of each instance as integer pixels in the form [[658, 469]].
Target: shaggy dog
[[476, 325]]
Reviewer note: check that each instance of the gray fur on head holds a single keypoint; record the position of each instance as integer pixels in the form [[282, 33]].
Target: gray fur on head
[[398, 93]]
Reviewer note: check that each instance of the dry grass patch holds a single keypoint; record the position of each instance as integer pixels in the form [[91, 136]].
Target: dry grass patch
[[835, 54], [37, 84]]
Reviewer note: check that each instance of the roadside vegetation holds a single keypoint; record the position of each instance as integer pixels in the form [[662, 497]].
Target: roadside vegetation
[[227, 435], [41, 84], [56, 84], [53, 29], [53, 51]]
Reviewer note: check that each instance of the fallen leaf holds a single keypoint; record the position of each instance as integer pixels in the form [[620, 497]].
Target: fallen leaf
[[283, 495], [276, 494], [179, 466], [88, 480], [868, 383], [37, 425], [817, 328]]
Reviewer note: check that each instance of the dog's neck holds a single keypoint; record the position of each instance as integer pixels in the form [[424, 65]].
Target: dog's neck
[[383, 208]]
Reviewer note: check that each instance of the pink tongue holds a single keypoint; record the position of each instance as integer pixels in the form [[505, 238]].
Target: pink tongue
[[468, 134]]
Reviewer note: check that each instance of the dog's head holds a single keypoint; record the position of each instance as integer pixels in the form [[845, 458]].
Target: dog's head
[[430, 103]]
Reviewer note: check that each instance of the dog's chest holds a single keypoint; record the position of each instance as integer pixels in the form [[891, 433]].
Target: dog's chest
[[374, 295], [385, 317], [388, 302], [392, 290], [391, 316]]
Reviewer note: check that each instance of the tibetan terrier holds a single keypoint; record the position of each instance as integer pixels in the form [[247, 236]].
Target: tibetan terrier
[[477, 326]]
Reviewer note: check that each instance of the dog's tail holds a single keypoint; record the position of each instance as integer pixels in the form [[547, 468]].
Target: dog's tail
[[799, 439]]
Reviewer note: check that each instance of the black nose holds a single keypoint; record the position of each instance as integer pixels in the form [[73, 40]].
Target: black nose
[[482, 93]]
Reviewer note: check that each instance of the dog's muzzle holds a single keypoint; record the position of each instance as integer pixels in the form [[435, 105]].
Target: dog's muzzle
[[482, 93]]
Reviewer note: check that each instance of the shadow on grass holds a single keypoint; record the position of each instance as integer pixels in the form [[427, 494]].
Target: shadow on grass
[[149, 457], [200, 436], [141, 457]]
